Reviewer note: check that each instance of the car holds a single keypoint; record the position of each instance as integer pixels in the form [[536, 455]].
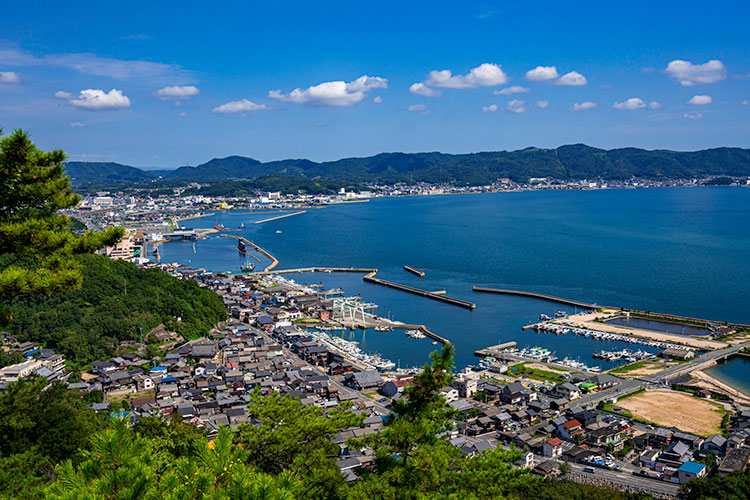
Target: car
[[589, 469], [383, 400]]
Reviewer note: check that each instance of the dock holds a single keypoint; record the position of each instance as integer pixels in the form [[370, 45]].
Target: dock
[[370, 278], [279, 217], [415, 271], [559, 300], [274, 260]]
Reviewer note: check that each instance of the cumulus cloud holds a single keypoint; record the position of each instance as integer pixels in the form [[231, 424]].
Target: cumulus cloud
[[572, 79], [484, 75], [542, 73], [183, 113], [700, 100], [377, 99], [542, 104], [9, 77], [583, 106], [177, 92], [490, 109], [517, 106], [96, 99], [77, 125], [693, 116], [424, 90], [746, 103], [337, 94], [654, 105], [420, 108], [91, 64], [688, 74], [630, 104], [240, 106], [515, 89]]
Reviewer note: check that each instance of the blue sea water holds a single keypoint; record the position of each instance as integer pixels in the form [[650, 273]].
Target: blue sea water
[[734, 371], [676, 250]]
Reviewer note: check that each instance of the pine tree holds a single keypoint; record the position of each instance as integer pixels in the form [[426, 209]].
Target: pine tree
[[36, 247]]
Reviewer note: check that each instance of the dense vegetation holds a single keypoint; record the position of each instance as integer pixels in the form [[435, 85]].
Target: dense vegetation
[[116, 299], [272, 183], [576, 161], [54, 447]]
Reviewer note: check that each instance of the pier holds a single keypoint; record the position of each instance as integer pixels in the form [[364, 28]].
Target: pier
[[274, 260], [370, 278], [559, 300], [494, 350], [279, 217], [415, 271]]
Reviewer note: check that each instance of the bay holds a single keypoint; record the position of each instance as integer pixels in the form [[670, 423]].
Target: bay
[[674, 250]]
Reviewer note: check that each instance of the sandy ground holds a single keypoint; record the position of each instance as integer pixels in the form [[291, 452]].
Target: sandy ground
[[668, 408], [706, 381], [649, 369], [662, 337]]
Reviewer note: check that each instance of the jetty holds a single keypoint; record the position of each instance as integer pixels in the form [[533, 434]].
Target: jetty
[[493, 350], [279, 217], [415, 271], [559, 300], [274, 260], [370, 278]]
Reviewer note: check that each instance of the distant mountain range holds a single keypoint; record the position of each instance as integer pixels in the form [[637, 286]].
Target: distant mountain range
[[576, 161]]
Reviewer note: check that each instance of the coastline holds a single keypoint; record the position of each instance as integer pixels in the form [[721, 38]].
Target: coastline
[[702, 379]]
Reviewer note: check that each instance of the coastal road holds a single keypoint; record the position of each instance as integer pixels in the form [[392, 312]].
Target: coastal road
[[623, 479], [682, 369]]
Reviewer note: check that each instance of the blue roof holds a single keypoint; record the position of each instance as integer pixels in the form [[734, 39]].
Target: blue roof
[[158, 369], [692, 467]]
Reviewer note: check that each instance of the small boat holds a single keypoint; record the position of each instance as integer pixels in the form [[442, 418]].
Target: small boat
[[544, 317], [278, 231], [242, 225], [241, 246]]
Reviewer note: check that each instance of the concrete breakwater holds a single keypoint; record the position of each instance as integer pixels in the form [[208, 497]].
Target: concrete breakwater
[[370, 278], [274, 260], [415, 271], [279, 217], [559, 300]]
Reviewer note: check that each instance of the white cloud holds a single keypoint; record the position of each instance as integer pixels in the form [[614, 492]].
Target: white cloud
[[183, 113], [94, 65], [77, 125], [424, 90], [338, 93], [654, 105], [630, 104], [693, 116], [420, 108], [700, 100], [517, 106], [484, 75], [746, 103], [238, 107], [377, 99], [572, 79], [177, 92], [9, 77], [490, 109], [96, 99], [61, 94], [583, 106], [688, 74], [515, 89], [542, 73], [542, 104]]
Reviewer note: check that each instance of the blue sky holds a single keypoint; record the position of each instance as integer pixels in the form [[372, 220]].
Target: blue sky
[[168, 84]]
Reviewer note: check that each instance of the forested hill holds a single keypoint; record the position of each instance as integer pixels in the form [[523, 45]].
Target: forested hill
[[571, 162]]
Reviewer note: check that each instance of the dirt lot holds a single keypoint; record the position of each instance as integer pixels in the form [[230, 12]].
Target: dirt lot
[[667, 408]]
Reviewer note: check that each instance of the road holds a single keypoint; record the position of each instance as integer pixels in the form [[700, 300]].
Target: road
[[624, 479]]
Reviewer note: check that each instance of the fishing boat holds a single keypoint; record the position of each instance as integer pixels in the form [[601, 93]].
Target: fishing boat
[[247, 266], [241, 246], [242, 225]]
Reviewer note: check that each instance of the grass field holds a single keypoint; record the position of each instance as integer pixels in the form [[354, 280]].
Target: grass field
[[675, 409], [521, 369]]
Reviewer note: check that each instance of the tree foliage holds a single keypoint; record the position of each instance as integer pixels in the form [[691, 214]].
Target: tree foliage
[[115, 301], [34, 240]]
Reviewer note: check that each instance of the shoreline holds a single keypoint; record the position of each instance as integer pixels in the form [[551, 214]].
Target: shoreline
[[702, 379]]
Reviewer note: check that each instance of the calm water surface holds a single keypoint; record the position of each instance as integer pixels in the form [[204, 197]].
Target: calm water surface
[[735, 372], [681, 251]]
